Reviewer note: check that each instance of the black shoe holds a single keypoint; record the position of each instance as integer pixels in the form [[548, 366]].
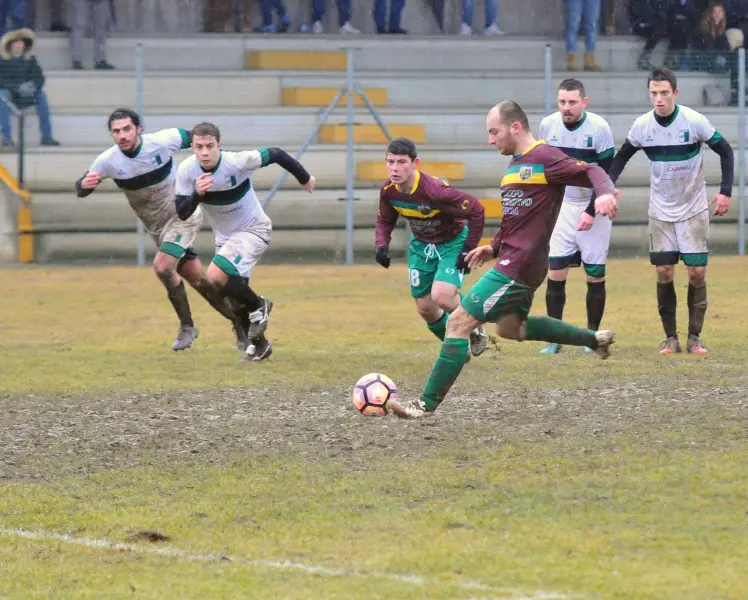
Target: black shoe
[[77, 65], [104, 65], [49, 141], [398, 30], [59, 28], [381, 30], [259, 349]]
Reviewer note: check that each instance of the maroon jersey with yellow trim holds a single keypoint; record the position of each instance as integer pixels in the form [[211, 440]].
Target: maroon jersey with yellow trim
[[532, 190], [436, 211]]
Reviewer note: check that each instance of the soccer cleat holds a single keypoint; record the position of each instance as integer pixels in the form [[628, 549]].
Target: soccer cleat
[[551, 349], [185, 337], [259, 351], [587, 349], [694, 345], [478, 340], [411, 411], [258, 319], [670, 346], [605, 339]]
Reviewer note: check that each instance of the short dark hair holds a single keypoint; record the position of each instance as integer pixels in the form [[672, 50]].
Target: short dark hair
[[662, 74], [206, 129], [402, 147], [572, 85], [511, 112], [124, 113]]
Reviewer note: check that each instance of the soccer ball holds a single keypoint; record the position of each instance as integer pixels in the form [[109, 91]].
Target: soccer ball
[[372, 393]]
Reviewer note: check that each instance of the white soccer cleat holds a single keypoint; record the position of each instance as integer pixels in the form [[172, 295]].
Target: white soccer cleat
[[411, 411], [258, 319], [605, 339], [478, 340], [185, 337]]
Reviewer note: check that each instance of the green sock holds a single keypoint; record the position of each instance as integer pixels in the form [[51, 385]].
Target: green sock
[[445, 371], [548, 329], [439, 327]]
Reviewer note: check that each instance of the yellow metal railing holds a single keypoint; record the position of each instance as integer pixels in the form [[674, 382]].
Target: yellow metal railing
[[23, 216]]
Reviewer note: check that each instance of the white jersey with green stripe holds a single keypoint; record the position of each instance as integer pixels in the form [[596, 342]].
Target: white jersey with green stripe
[[146, 176], [590, 140], [677, 185], [231, 202]]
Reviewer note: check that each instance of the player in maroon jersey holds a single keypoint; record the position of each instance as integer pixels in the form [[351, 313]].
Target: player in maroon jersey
[[446, 225], [532, 191]]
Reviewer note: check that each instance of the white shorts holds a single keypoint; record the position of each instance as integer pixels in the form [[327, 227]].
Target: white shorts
[[687, 240], [572, 248], [241, 252], [177, 238]]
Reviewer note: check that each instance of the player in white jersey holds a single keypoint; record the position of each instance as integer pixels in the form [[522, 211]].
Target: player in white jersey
[[579, 237], [673, 138], [142, 167], [222, 183]]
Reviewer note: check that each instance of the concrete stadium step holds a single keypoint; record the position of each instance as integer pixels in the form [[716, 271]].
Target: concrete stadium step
[[291, 126], [200, 90], [288, 209], [58, 168], [205, 51]]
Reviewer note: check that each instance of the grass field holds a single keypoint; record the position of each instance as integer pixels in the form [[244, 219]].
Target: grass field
[[540, 477]]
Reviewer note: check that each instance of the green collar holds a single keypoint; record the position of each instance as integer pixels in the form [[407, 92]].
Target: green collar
[[667, 121], [135, 152], [578, 124]]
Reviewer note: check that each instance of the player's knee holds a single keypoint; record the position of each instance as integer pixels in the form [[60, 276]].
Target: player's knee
[[696, 275], [665, 273], [510, 329], [165, 266], [446, 299], [428, 309], [591, 279]]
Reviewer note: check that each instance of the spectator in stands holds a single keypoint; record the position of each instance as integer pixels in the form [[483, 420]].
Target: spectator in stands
[[683, 18], [396, 14], [284, 21], [57, 16], [97, 15], [648, 18], [344, 17], [17, 10], [21, 83], [575, 9], [711, 48], [492, 27]]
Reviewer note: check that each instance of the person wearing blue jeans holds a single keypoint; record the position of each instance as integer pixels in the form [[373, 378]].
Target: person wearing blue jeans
[[491, 28], [344, 17], [575, 10], [21, 83], [17, 10], [396, 13], [266, 8]]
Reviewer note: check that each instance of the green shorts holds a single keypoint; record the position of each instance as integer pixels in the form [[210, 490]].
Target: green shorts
[[434, 262], [495, 295]]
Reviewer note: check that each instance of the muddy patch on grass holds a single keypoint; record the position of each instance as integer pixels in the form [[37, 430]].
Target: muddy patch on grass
[[43, 437]]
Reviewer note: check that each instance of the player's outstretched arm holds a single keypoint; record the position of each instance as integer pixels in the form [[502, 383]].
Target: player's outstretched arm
[[460, 204], [727, 165], [623, 156], [563, 170], [87, 184]]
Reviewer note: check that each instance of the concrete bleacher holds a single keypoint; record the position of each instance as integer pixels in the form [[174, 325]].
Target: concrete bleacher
[[277, 101]]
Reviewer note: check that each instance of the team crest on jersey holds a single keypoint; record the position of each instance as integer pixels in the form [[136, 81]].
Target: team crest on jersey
[[684, 135], [525, 173], [231, 180], [588, 142]]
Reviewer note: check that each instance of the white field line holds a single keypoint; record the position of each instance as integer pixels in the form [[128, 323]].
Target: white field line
[[412, 579]]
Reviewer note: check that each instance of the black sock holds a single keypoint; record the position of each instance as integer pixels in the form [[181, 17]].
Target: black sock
[[238, 288], [178, 299], [555, 298], [206, 289], [696, 309], [595, 304], [666, 303]]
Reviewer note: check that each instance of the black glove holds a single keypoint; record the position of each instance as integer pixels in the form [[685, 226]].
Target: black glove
[[462, 262], [383, 256]]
